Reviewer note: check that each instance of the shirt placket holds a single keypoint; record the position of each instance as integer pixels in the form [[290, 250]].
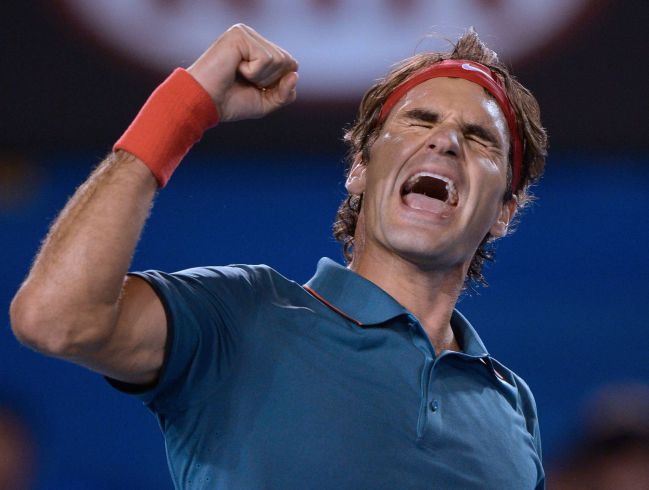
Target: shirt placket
[[431, 406], [428, 405]]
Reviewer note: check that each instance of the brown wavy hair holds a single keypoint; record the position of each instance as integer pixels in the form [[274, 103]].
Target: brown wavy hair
[[362, 134]]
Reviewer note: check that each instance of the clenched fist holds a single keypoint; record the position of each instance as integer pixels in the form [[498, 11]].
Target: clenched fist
[[246, 75]]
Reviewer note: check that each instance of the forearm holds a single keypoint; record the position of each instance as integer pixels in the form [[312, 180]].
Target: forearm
[[69, 305], [70, 295]]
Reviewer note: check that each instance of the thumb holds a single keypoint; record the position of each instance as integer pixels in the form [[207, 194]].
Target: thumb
[[285, 91]]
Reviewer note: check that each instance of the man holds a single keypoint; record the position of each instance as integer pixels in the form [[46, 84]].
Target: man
[[366, 377]]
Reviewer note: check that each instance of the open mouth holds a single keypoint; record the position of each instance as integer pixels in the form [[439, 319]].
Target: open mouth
[[427, 191]]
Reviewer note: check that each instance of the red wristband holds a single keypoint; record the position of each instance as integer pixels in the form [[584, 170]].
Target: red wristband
[[170, 122]]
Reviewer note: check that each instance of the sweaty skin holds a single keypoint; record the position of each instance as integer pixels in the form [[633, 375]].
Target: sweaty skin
[[421, 256], [76, 302]]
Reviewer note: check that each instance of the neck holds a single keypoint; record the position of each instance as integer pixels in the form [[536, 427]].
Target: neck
[[429, 293]]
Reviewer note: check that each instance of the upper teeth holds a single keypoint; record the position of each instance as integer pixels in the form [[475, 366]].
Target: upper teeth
[[450, 185]]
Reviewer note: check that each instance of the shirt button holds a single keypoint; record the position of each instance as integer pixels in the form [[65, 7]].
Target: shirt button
[[434, 406]]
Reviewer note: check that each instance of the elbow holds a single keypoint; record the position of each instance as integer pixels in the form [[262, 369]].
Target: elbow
[[30, 327], [20, 319], [35, 325]]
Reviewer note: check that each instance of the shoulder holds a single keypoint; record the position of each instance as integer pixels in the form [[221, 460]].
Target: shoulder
[[213, 275], [228, 282], [525, 399], [237, 272], [206, 273]]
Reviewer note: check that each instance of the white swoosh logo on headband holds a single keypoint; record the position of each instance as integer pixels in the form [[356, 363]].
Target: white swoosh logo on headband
[[469, 67]]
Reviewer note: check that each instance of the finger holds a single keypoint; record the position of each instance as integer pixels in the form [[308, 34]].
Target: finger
[[258, 56], [287, 87], [257, 61], [281, 64], [283, 93], [267, 74], [286, 57], [264, 63], [274, 74]]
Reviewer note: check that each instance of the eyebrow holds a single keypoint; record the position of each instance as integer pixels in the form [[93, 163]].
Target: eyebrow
[[431, 117], [422, 115]]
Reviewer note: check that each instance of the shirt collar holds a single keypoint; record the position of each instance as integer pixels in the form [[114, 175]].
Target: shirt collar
[[466, 336], [364, 303], [352, 295]]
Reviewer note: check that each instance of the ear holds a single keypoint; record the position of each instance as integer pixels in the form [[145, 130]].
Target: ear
[[507, 212], [355, 183]]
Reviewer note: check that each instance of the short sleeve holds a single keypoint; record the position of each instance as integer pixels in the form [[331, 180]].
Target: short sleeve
[[528, 406], [207, 312], [531, 415]]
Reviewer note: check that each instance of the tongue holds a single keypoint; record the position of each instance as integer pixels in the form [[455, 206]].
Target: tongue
[[425, 203]]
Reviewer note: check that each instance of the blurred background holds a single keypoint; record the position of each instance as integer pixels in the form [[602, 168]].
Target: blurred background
[[566, 307]]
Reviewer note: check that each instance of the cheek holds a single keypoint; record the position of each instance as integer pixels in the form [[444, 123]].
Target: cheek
[[401, 142], [388, 157], [385, 146], [391, 139], [384, 158], [490, 181], [492, 172]]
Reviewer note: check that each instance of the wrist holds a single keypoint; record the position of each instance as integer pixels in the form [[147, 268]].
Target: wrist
[[171, 121]]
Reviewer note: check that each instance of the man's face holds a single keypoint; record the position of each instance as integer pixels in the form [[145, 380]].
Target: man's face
[[437, 172]]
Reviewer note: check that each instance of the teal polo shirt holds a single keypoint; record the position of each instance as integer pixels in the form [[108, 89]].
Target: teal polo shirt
[[268, 384]]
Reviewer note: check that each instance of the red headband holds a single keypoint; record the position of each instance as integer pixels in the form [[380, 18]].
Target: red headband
[[476, 73]]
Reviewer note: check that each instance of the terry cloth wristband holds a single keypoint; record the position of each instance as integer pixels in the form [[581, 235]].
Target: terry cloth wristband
[[171, 121]]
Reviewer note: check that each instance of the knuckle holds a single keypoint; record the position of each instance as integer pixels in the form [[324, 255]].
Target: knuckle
[[238, 28], [289, 61]]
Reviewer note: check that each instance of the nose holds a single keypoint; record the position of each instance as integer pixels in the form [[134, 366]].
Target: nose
[[445, 139]]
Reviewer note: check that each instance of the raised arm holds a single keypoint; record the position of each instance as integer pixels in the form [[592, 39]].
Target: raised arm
[[76, 302]]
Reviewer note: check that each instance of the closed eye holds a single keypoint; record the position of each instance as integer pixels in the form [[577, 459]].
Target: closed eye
[[475, 132], [480, 141], [480, 134]]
